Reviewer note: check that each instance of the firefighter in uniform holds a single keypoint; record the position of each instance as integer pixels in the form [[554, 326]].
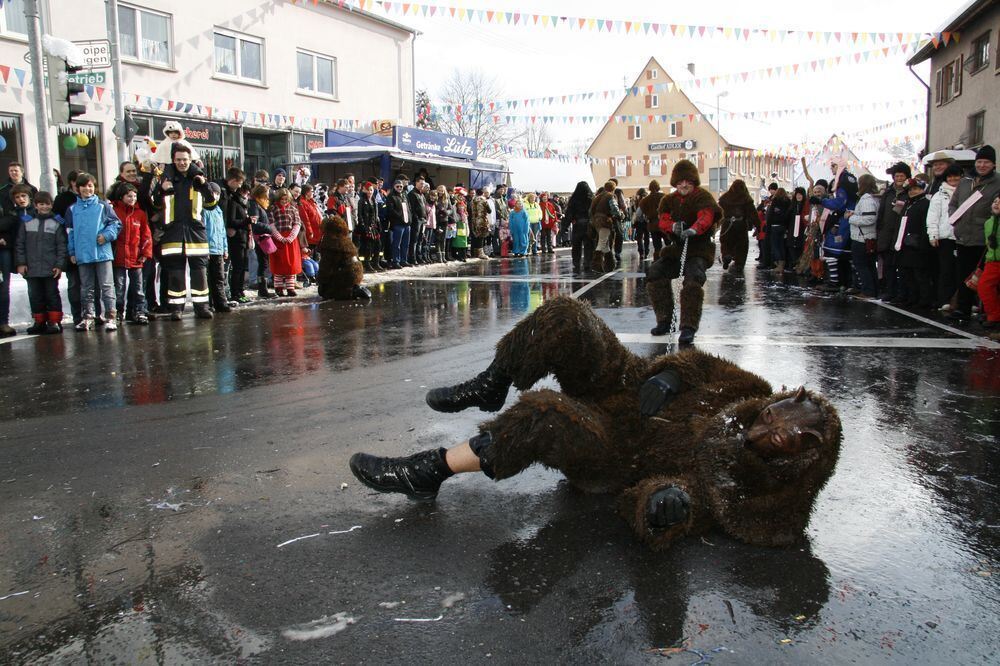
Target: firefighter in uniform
[[181, 194]]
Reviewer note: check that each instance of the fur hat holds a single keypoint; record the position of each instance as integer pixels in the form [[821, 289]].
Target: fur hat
[[900, 167], [822, 183], [987, 152], [173, 126], [684, 170]]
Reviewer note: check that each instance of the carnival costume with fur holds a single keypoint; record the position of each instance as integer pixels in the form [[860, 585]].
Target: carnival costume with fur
[[692, 218], [340, 272], [687, 441], [164, 151]]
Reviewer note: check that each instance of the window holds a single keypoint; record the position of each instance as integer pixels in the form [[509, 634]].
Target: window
[[980, 53], [145, 36], [693, 157], [673, 129], [654, 73], [634, 132], [317, 73], [654, 101], [12, 18], [10, 130], [948, 82], [239, 56], [621, 166], [976, 123]]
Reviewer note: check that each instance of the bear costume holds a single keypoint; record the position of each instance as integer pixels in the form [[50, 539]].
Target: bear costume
[[340, 272], [685, 220], [687, 441], [604, 213], [739, 217]]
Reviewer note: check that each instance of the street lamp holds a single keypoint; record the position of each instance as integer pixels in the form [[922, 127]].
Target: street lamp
[[718, 138]]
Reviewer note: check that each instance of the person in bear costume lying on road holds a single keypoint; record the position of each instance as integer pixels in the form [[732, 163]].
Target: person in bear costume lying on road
[[687, 441], [340, 271]]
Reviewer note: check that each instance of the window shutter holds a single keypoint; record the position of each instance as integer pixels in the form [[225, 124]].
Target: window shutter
[[938, 82], [648, 99], [959, 70], [701, 162], [649, 74], [613, 164], [663, 164], [631, 132], [645, 165], [628, 166], [680, 128]]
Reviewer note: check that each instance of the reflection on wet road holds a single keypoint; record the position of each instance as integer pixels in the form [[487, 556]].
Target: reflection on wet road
[[148, 476]]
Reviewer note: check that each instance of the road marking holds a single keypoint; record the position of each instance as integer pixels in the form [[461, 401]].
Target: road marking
[[817, 341], [16, 338], [495, 278], [925, 320], [583, 290]]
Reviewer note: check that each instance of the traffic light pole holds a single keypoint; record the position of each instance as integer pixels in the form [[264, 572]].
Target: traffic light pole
[[116, 78], [46, 178]]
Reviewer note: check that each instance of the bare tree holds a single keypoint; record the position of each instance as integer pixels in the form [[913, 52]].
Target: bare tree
[[536, 138], [469, 95]]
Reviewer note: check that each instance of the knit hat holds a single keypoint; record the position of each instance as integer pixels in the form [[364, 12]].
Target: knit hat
[[987, 152], [684, 170], [914, 183], [215, 189], [900, 167], [279, 172]]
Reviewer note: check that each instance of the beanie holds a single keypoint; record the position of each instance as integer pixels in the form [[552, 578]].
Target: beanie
[[987, 152]]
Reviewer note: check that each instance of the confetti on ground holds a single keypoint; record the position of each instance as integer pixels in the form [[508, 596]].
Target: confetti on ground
[[324, 627], [308, 536], [356, 527], [419, 619], [16, 594]]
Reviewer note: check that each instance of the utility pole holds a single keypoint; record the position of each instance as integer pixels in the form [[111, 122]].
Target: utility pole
[[46, 180], [116, 79]]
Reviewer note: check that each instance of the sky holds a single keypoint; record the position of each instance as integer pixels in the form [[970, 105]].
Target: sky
[[534, 61]]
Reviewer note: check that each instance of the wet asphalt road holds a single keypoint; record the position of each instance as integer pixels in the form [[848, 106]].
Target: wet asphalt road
[[148, 479]]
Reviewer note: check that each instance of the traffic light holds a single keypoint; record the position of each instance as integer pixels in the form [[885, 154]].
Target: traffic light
[[62, 91]]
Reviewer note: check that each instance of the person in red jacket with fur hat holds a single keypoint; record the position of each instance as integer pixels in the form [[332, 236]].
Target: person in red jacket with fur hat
[[550, 220], [133, 248], [688, 217]]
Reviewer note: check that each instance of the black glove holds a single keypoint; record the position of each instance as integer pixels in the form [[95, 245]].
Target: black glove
[[667, 507], [658, 391], [816, 201]]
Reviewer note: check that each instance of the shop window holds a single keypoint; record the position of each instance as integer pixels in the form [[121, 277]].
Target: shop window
[[10, 142], [145, 36], [13, 20], [239, 56], [317, 73], [80, 150]]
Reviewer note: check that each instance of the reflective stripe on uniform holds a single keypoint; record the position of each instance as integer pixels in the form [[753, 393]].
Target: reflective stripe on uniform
[[168, 249], [196, 249]]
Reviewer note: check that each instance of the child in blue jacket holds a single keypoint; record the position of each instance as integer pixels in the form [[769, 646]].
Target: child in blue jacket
[[218, 251], [92, 225]]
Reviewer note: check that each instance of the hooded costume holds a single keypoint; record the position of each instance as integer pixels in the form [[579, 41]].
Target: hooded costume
[[687, 441], [690, 219], [739, 217], [340, 272], [164, 151]]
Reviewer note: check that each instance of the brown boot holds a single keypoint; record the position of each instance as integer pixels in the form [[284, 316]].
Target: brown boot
[[692, 297], [597, 262], [661, 297]]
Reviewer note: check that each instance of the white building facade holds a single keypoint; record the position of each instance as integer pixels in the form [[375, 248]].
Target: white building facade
[[254, 84]]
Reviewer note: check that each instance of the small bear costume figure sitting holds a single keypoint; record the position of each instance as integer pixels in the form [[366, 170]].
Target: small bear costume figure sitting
[[173, 135], [687, 441], [340, 271]]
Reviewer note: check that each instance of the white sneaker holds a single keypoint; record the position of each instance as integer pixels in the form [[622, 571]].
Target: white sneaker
[[112, 325], [85, 325]]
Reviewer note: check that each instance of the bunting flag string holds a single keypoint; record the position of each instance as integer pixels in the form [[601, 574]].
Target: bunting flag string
[[750, 76], [774, 114], [526, 19]]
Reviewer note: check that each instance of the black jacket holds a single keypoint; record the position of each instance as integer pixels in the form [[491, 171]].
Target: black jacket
[[6, 201], [418, 207], [367, 216], [780, 214], [394, 205]]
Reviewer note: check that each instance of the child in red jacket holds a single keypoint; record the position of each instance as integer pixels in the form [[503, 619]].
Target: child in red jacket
[[550, 220], [133, 247]]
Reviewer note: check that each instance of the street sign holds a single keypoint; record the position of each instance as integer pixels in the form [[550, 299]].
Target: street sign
[[96, 53], [689, 144], [88, 78]]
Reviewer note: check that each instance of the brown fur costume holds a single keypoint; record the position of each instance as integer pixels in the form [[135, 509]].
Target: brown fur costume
[[600, 207], [685, 209], [479, 221], [739, 216], [650, 205], [594, 433], [340, 272]]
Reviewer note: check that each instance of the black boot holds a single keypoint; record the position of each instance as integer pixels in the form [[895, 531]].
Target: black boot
[[202, 311], [488, 391], [686, 337], [418, 476], [661, 328], [262, 291]]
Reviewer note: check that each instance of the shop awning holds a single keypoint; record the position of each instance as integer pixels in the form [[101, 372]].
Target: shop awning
[[343, 155]]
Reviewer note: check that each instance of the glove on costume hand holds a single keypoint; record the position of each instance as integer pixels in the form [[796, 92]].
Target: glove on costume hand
[[688, 233], [658, 391], [667, 506], [678, 228]]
